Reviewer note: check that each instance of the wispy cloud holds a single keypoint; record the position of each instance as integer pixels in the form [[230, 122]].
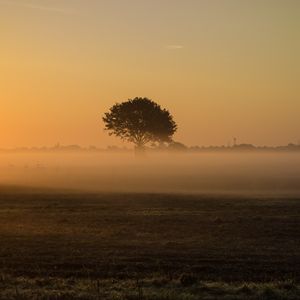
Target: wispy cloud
[[174, 47], [34, 6]]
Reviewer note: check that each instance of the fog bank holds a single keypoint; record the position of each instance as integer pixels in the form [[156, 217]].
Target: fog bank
[[155, 173]]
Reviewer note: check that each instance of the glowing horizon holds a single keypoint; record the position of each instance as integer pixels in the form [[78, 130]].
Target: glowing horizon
[[224, 69]]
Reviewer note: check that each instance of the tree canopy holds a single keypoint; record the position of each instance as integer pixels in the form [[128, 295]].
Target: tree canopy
[[140, 121]]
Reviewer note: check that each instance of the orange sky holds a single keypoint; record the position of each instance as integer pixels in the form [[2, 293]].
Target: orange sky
[[224, 68]]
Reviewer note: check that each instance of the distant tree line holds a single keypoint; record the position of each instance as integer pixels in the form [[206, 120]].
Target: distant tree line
[[171, 147]]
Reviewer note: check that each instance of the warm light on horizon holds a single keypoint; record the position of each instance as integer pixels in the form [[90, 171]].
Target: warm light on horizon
[[222, 68]]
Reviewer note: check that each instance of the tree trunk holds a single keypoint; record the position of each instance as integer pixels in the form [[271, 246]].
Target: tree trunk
[[140, 151]]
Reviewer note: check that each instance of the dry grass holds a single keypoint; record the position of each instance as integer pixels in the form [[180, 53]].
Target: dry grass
[[83, 289], [76, 246]]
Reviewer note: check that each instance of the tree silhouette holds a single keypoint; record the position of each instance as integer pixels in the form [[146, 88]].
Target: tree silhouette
[[140, 121]]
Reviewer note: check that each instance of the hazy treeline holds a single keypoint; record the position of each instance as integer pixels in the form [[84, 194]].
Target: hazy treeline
[[172, 147]]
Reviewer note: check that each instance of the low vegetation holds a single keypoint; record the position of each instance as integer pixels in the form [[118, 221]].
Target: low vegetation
[[147, 246], [151, 289]]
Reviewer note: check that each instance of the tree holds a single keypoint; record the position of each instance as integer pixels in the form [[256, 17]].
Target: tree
[[176, 146], [140, 121]]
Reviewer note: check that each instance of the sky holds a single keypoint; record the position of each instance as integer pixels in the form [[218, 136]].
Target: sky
[[224, 68]]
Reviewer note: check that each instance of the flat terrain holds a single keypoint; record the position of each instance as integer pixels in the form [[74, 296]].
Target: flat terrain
[[57, 245]]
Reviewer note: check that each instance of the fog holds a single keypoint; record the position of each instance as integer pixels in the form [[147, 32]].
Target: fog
[[155, 173]]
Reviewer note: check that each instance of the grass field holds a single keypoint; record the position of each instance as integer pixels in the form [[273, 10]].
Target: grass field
[[57, 245]]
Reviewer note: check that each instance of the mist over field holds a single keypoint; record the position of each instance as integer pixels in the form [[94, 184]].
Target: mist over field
[[277, 173]]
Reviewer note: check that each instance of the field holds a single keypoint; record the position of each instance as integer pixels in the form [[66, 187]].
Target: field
[[67, 245]]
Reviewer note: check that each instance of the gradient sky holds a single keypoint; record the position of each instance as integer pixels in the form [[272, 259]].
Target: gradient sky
[[224, 68]]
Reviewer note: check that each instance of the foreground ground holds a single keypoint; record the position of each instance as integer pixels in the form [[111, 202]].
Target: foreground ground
[[143, 246]]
